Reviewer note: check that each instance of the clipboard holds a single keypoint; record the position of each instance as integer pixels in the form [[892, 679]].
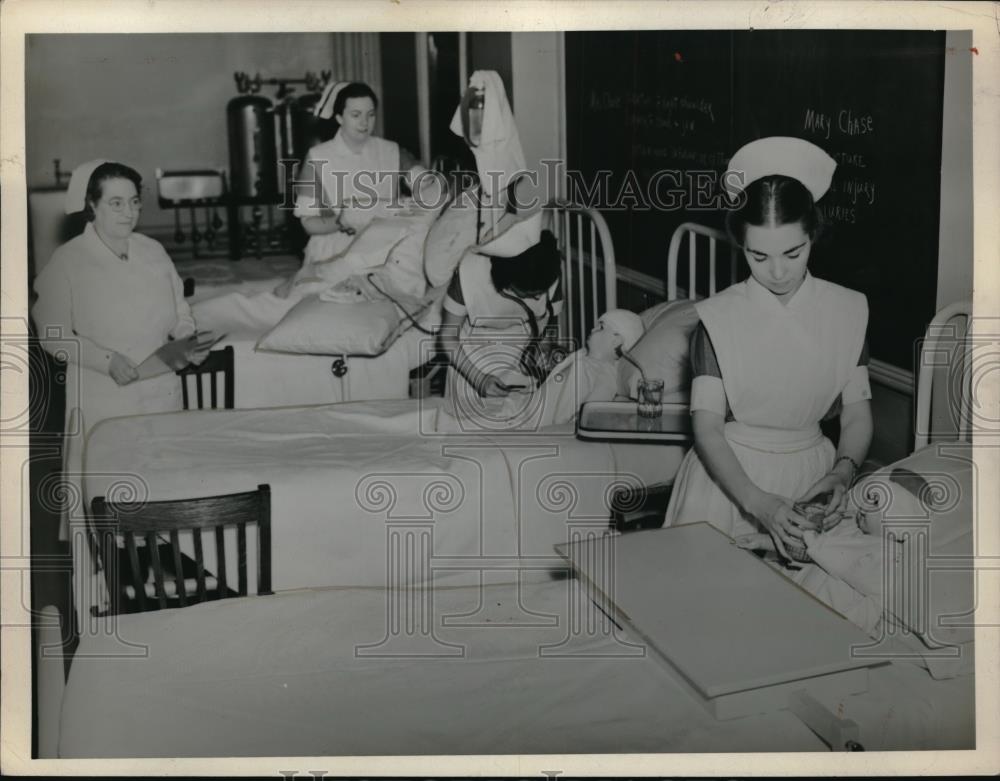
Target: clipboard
[[158, 363]]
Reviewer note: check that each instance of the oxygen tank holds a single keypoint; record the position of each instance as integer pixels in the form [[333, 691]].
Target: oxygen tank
[[253, 164]]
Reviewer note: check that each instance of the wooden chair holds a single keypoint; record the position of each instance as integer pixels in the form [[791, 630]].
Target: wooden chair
[[220, 368], [177, 579]]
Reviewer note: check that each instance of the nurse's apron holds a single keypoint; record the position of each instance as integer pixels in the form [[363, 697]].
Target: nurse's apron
[[493, 337], [783, 366]]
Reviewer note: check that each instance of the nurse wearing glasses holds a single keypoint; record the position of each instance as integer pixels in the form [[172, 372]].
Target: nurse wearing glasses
[[111, 297]]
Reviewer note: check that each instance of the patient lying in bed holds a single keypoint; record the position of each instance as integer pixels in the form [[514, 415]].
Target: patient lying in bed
[[391, 243], [876, 567], [590, 374]]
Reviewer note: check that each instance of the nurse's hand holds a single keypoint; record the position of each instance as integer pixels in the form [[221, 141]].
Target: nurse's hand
[[778, 517], [831, 489], [492, 387], [122, 370], [197, 357]]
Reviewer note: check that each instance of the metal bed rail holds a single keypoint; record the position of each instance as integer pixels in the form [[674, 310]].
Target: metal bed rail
[[587, 251]]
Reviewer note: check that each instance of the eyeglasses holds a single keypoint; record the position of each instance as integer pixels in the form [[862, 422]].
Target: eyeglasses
[[117, 205]]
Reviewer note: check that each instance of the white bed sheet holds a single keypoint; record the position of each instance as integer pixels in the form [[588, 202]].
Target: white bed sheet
[[283, 675], [270, 379], [344, 477], [214, 277]]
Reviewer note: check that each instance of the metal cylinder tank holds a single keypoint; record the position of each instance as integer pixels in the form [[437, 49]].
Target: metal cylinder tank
[[253, 164], [309, 129]]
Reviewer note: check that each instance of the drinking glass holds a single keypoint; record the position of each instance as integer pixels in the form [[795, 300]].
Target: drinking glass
[[650, 398]]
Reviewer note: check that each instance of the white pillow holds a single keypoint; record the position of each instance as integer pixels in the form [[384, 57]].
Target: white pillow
[[316, 327], [663, 351], [452, 233], [925, 501]]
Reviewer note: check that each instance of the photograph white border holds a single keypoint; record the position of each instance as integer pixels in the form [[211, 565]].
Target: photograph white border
[[20, 17]]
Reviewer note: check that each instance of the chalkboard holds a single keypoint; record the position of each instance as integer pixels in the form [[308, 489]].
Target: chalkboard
[[643, 103]]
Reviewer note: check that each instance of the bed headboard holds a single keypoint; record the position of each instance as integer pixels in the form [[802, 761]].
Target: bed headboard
[[945, 346], [590, 277], [711, 243]]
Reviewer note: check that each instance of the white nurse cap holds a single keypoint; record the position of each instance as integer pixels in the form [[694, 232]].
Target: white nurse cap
[[76, 193], [784, 156], [324, 108]]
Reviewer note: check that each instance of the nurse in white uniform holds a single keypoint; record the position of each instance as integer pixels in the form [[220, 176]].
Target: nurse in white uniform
[[496, 305], [116, 296], [359, 173], [774, 356]]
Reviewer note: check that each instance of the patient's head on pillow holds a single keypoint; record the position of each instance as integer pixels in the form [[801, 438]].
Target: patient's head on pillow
[[615, 330], [529, 274]]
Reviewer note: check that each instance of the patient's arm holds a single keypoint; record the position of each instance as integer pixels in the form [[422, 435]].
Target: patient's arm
[[329, 222]]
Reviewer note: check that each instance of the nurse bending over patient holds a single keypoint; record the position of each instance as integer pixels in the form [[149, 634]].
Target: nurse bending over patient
[[774, 356], [494, 309]]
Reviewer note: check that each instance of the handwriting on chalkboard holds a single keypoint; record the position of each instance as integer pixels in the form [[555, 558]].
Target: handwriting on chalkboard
[[846, 122], [677, 153], [854, 159], [611, 101]]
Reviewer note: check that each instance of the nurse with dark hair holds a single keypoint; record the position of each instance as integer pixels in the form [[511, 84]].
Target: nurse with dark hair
[[495, 307], [357, 172], [772, 357]]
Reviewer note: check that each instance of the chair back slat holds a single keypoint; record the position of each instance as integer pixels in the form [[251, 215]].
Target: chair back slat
[[220, 554], [199, 562], [153, 546], [241, 558], [175, 543], [138, 574], [160, 525], [264, 541], [218, 370]]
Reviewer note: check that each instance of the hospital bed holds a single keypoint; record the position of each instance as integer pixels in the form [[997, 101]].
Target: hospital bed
[[206, 278], [272, 379], [287, 671]]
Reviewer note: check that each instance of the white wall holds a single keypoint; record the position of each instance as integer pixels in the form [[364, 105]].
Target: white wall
[[539, 99], [148, 100]]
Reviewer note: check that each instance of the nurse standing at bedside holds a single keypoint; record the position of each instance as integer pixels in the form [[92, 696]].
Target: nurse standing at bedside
[[774, 356]]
